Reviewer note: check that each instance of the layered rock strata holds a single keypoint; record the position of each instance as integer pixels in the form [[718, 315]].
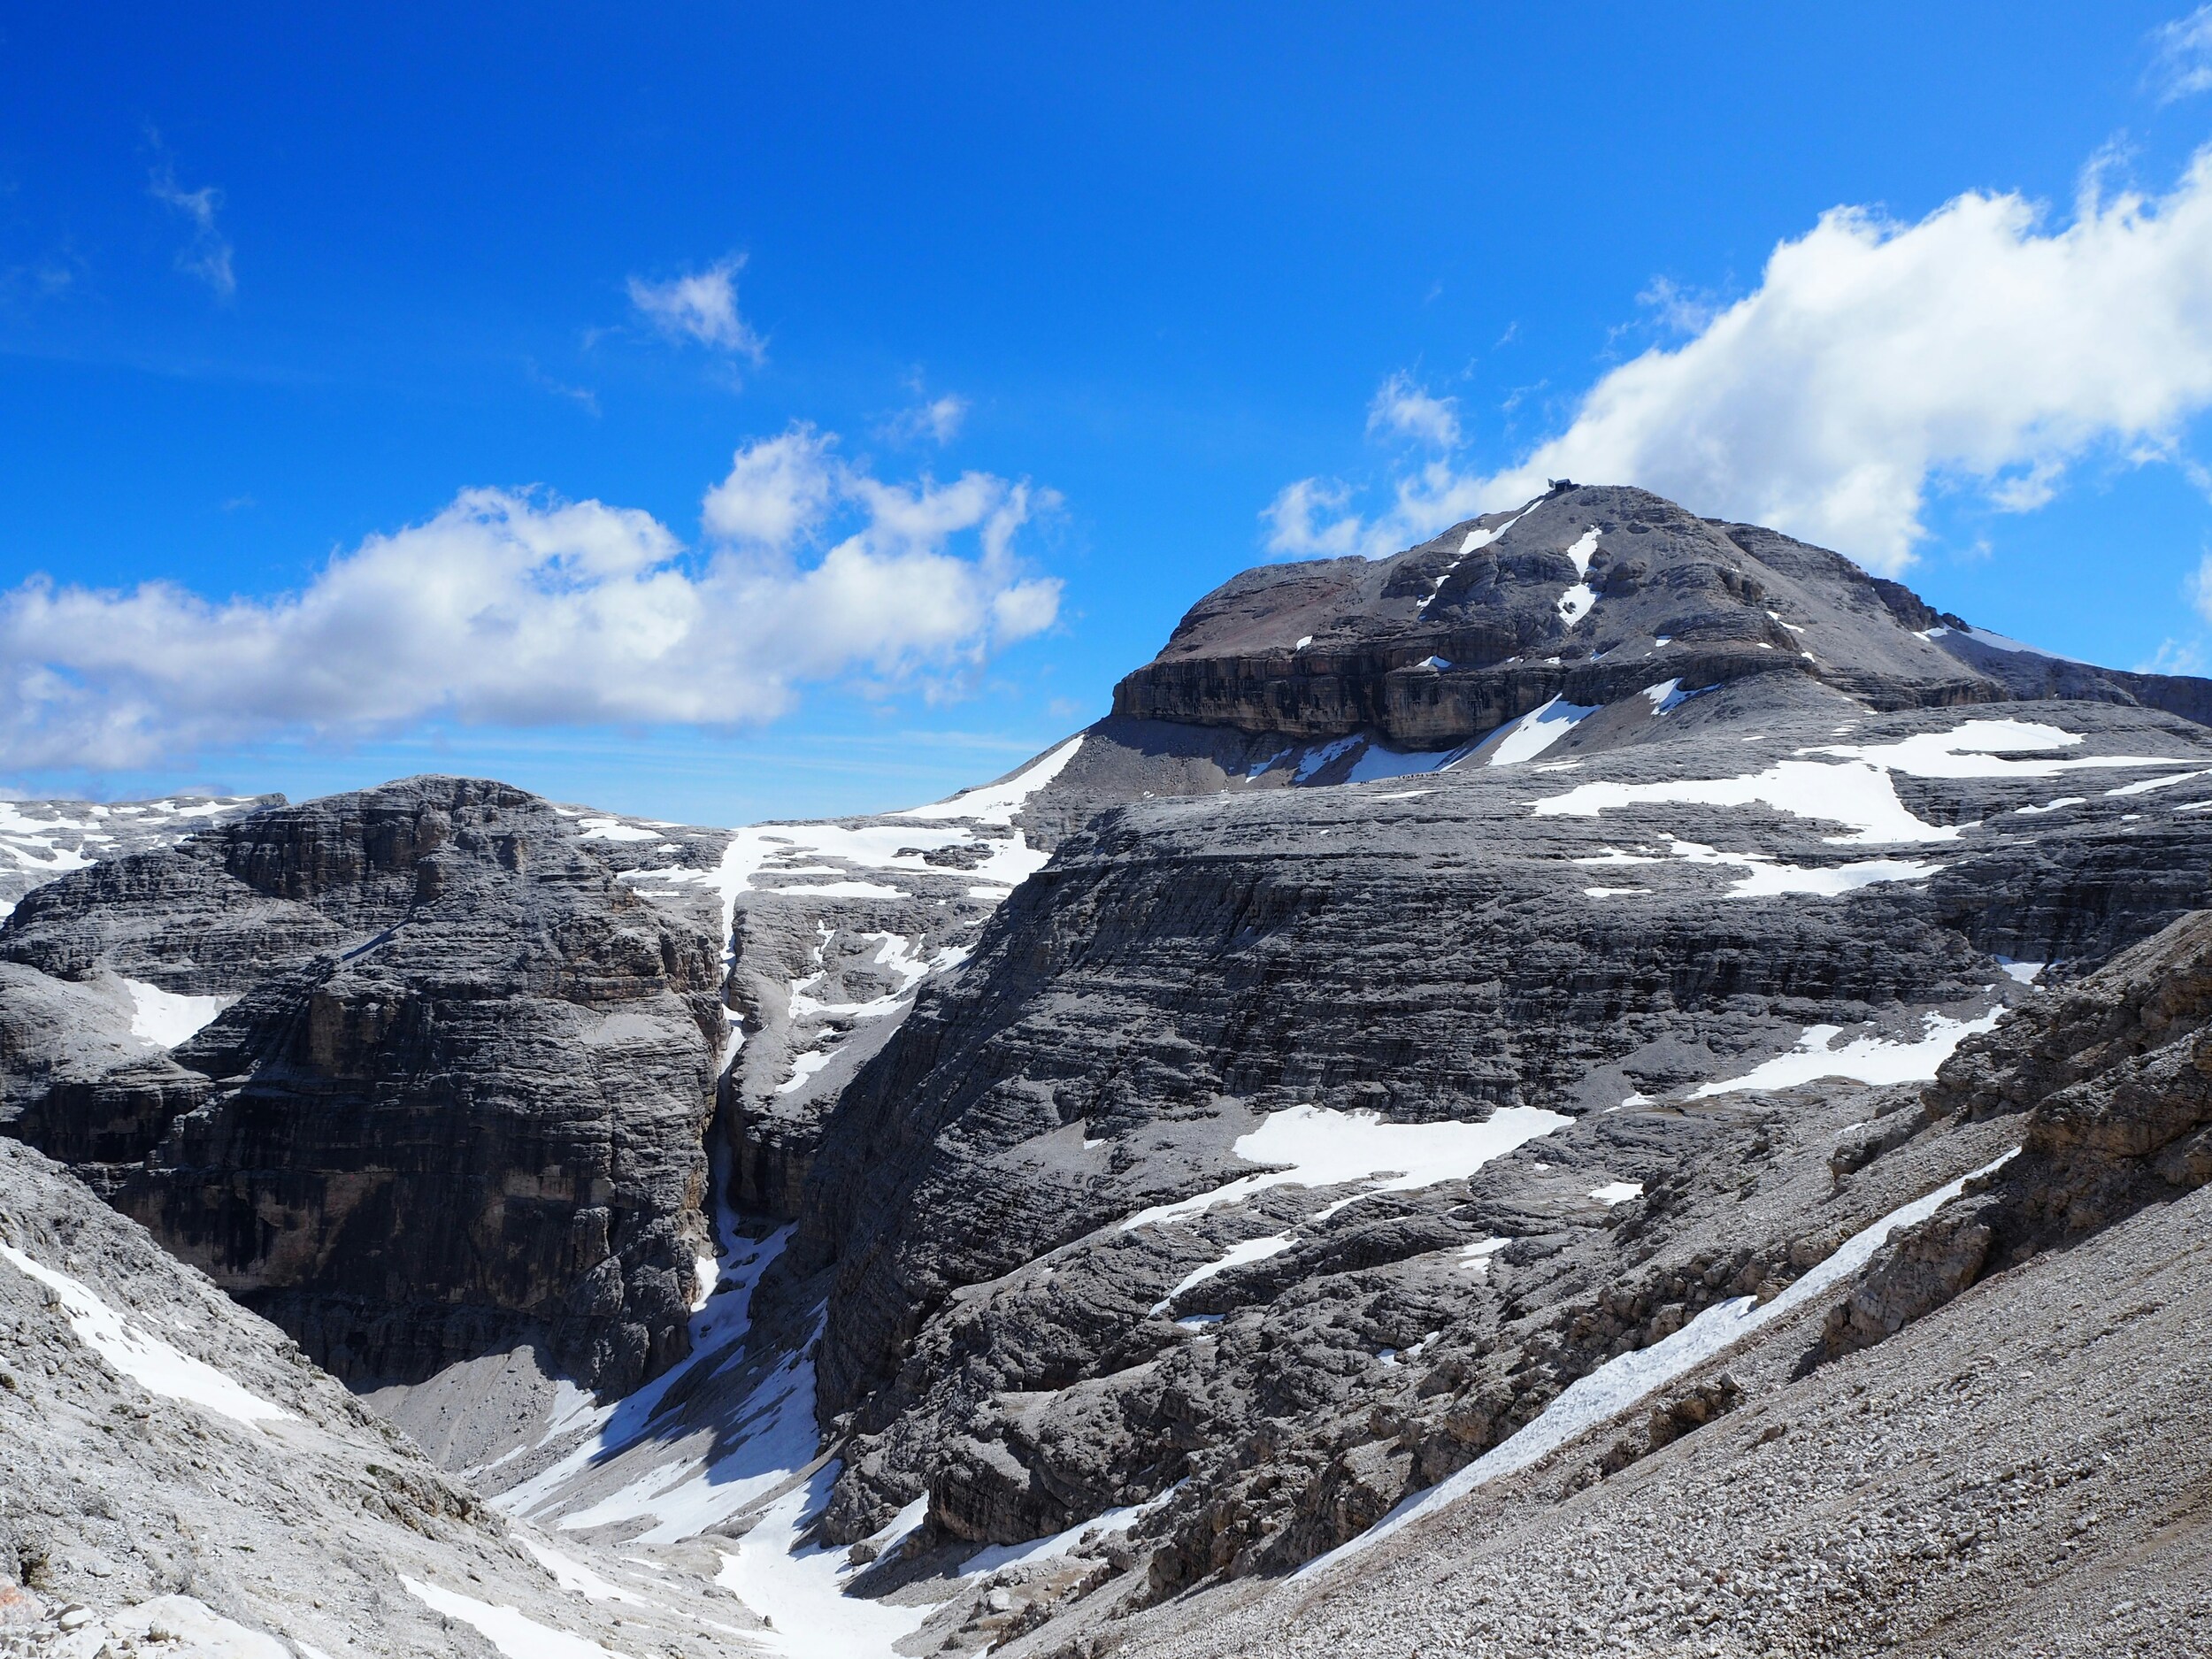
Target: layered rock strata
[[410, 1071]]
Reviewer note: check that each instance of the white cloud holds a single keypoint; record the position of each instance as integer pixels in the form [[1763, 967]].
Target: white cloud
[[777, 492], [2174, 657], [2184, 63], [2198, 588], [700, 306], [937, 420], [514, 610], [1980, 348], [1404, 408], [208, 255]]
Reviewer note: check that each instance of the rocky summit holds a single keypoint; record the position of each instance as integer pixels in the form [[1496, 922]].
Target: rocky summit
[[1608, 1084]]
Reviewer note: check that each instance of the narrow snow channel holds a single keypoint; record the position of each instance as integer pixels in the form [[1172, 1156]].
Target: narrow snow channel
[[1318, 1147], [799, 1587], [146, 1359], [1237, 1255], [1575, 602], [1620, 1383]]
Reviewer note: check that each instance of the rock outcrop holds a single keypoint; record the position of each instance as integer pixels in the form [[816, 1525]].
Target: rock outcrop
[[2113, 1077], [410, 1071], [40, 840]]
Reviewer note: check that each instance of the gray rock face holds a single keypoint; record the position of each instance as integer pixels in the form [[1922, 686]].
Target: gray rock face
[[454, 1096], [2114, 1076], [1600, 941], [170, 1463], [1586, 595]]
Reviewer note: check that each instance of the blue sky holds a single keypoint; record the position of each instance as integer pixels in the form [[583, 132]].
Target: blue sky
[[1001, 332]]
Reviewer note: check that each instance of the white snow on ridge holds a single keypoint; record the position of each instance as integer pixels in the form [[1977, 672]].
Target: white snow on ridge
[[1866, 1059], [1766, 877], [613, 829], [998, 1555], [167, 1019], [1477, 540], [2145, 786], [1987, 748], [1857, 789], [1857, 794], [573, 1576], [1318, 1147], [1621, 1382], [1535, 732], [1377, 763], [996, 804], [1316, 760], [145, 1359]]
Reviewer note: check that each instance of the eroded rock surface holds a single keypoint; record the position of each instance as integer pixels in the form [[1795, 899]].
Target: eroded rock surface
[[181, 1479], [410, 1070]]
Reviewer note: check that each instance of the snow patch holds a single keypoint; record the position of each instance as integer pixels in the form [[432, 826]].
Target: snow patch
[[146, 1359], [1319, 1146], [1535, 732], [996, 804], [1616, 1192], [1871, 1059], [505, 1627], [1238, 1255], [613, 829], [799, 1587], [1621, 1382], [165, 1018], [577, 1579]]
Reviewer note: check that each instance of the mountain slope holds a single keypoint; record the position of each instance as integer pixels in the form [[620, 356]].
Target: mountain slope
[[178, 1475]]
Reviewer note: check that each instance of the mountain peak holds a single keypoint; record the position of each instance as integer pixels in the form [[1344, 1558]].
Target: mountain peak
[[1589, 593]]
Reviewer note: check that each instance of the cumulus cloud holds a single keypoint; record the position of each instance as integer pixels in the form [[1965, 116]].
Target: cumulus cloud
[[700, 306], [208, 255], [512, 609], [1981, 348], [2184, 63]]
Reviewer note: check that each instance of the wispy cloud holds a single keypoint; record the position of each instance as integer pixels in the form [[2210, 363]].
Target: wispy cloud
[[511, 609], [2183, 64], [933, 420], [1404, 408], [582, 396], [701, 307], [1981, 348], [207, 255]]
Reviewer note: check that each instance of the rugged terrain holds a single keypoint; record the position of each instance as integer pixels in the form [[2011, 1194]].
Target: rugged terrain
[[1609, 1083]]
